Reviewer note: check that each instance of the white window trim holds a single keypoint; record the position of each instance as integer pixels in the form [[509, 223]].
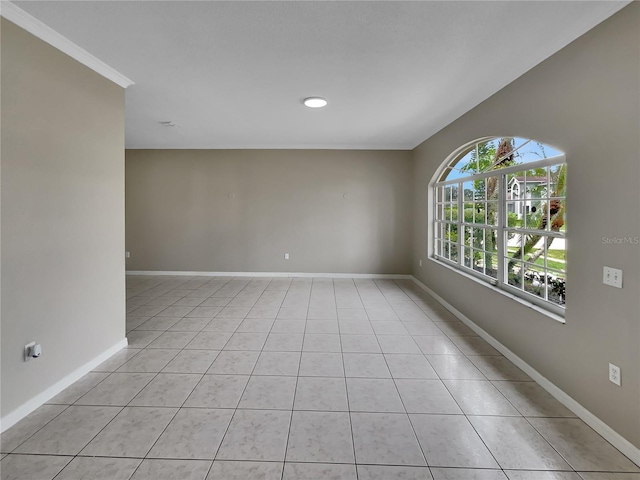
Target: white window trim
[[543, 306]]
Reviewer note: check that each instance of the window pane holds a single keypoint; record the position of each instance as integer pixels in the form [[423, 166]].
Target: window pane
[[478, 260], [450, 251], [487, 154], [514, 272], [466, 164], [478, 238], [447, 212], [491, 264], [469, 191], [557, 284], [492, 213], [475, 190], [468, 254], [468, 236], [514, 215], [481, 189], [536, 184], [557, 255], [454, 193], [557, 209], [468, 213], [533, 151], [492, 188], [479, 214], [536, 217], [491, 243], [453, 252], [558, 180], [534, 280]]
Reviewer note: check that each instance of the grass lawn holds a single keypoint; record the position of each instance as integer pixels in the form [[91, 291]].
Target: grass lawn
[[552, 256], [557, 254]]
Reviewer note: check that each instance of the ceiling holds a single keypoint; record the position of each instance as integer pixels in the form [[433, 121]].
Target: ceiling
[[234, 74]]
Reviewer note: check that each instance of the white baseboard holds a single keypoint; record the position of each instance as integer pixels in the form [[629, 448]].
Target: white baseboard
[[589, 418], [26, 408], [271, 274]]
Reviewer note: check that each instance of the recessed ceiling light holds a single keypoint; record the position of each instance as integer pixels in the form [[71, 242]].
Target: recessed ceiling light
[[168, 124], [315, 102]]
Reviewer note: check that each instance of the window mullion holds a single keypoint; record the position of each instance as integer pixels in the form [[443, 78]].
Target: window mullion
[[460, 228], [435, 221], [502, 243]]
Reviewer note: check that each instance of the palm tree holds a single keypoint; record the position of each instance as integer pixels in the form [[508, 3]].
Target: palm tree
[[504, 157]]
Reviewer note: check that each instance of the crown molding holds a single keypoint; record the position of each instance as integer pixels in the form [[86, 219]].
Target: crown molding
[[45, 33]]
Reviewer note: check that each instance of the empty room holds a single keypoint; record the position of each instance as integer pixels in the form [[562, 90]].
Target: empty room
[[318, 240]]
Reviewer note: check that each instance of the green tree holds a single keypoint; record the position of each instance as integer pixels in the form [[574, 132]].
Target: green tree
[[484, 158], [552, 215]]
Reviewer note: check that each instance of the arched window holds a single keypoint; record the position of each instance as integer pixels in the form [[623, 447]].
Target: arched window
[[500, 215]]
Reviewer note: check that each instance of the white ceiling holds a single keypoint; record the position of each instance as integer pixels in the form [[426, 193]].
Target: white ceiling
[[233, 74]]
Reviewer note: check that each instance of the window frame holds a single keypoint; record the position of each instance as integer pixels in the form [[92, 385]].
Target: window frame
[[501, 283]]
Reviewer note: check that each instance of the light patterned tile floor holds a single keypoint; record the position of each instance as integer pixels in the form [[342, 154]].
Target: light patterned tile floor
[[297, 378]]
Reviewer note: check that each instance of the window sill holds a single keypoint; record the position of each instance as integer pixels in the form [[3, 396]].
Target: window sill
[[521, 301]]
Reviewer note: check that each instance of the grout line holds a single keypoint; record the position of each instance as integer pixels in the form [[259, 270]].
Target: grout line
[[286, 446], [353, 440], [40, 428]]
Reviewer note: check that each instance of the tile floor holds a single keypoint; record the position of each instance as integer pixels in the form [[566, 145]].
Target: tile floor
[[259, 378]]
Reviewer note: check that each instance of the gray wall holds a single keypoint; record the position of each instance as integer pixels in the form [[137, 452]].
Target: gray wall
[[584, 100], [241, 210], [62, 214]]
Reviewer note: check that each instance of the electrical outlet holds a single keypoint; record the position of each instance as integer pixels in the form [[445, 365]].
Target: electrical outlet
[[612, 276], [614, 374], [420, 262], [127, 254], [286, 256], [27, 351]]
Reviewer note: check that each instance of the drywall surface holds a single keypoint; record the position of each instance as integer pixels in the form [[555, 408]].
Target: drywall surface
[[585, 100], [242, 210], [62, 215]]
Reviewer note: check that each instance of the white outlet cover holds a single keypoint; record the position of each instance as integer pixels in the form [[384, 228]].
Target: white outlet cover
[[27, 351], [614, 374]]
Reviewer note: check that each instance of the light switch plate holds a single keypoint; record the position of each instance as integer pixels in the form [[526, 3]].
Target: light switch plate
[[612, 276]]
